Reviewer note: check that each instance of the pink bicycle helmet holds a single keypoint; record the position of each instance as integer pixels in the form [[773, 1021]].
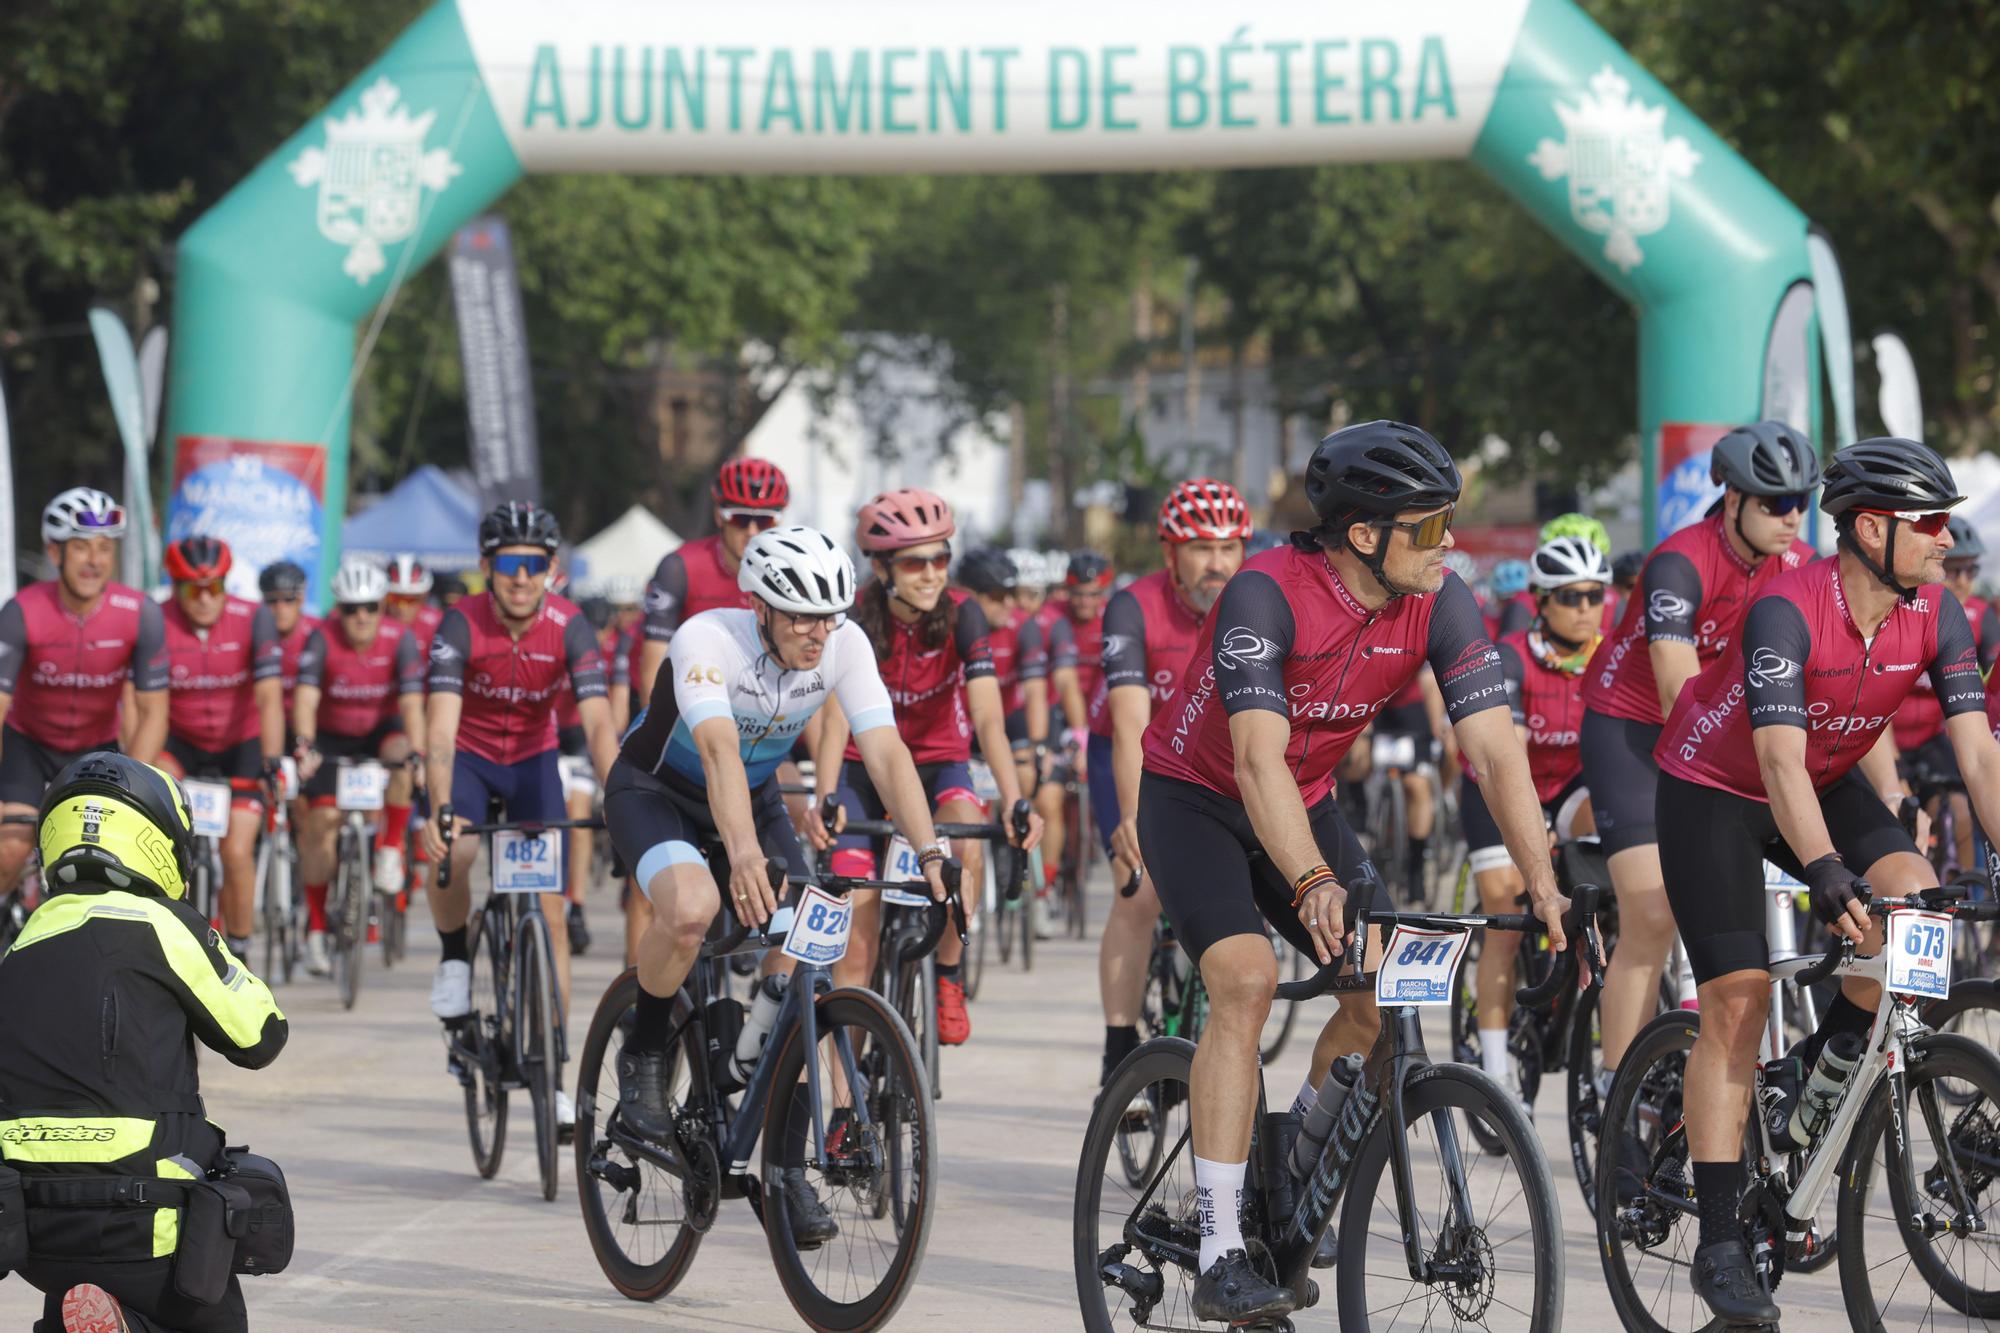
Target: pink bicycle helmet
[[897, 519]]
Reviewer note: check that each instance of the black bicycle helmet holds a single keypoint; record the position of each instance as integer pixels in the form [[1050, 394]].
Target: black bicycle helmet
[[1965, 542], [988, 570], [1625, 569], [1087, 567], [1887, 474], [1765, 458], [1379, 468], [519, 523], [85, 835], [281, 578]]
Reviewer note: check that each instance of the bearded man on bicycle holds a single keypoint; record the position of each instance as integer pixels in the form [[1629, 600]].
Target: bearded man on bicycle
[[1237, 821], [1757, 762]]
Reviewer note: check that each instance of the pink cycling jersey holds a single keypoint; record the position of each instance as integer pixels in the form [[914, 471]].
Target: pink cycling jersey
[[1087, 646], [1548, 702], [1148, 635], [292, 645], [361, 689], [212, 673], [509, 684], [1803, 663], [1694, 589], [927, 685], [1921, 718], [66, 672], [1288, 637]]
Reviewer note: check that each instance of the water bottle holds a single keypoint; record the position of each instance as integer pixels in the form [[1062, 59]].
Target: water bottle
[[1829, 1077], [763, 1017], [1320, 1116]]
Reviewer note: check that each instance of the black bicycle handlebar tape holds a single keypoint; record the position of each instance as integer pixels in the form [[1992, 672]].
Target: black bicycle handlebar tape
[[829, 810], [448, 829], [1312, 987], [1021, 813], [1820, 971], [1580, 924], [939, 914]]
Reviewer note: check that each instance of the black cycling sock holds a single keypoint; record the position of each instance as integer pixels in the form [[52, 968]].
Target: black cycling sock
[[1718, 1192], [456, 949], [947, 971], [1416, 854], [1119, 1042], [653, 1021], [1843, 1015]]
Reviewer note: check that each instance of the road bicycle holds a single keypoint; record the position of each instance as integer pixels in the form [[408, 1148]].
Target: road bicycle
[[360, 788], [1455, 1238], [1935, 1156], [515, 1035], [837, 1095], [1079, 836], [279, 909], [210, 804]]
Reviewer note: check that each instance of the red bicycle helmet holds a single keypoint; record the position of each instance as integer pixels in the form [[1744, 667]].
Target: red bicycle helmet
[[198, 559], [1204, 509], [897, 519], [751, 483]]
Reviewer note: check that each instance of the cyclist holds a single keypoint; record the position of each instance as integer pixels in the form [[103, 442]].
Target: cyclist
[[1031, 591], [1543, 667], [1149, 632], [282, 585], [1520, 610], [225, 709], [750, 495], [408, 600], [1693, 592], [1757, 763], [579, 786], [360, 695], [1236, 815], [1076, 664], [1020, 654], [702, 763], [1416, 716], [931, 647], [1625, 572], [495, 667], [68, 646]]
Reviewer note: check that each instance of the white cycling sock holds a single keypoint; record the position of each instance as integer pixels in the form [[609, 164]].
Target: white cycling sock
[[1493, 1054], [1308, 1098], [1218, 1198], [1604, 1079]]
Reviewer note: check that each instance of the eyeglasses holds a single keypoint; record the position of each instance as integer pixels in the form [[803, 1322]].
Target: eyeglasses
[[403, 599], [1926, 522], [516, 565], [1777, 506], [805, 626], [361, 608], [284, 599], [1961, 569], [205, 588], [916, 564], [1426, 532], [1575, 597], [749, 518]]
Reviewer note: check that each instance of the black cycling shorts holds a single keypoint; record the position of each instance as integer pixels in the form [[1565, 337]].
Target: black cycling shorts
[[654, 826], [1017, 726], [1404, 720], [572, 742], [27, 767], [1212, 875], [1619, 767], [1713, 845], [1934, 760], [332, 746]]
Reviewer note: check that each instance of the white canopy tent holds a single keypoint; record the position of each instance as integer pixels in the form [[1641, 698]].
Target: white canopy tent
[[617, 561]]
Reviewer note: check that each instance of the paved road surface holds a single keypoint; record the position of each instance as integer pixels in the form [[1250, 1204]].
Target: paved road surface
[[397, 1232]]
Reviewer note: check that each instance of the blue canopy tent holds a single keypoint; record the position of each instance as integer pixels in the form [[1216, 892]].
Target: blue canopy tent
[[428, 515]]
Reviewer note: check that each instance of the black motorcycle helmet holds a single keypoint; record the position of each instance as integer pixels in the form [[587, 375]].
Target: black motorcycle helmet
[[1375, 470], [518, 523], [1884, 475], [988, 570]]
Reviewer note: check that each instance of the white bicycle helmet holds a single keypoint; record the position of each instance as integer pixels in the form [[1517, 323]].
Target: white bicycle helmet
[[797, 569], [82, 512], [624, 590], [359, 581], [407, 577], [1461, 564], [1562, 561]]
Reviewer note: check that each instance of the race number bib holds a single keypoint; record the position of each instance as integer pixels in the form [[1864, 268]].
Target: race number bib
[[1919, 952], [1419, 966], [527, 862], [984, 786], [903, 865], [1777, 881], [819, 929], [361, 786], [208, 805]]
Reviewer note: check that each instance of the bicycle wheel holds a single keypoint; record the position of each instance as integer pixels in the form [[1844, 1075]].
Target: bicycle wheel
[[1492, 1213], [972, 965], [538, 1053], [1284, 1013], [1025, 909], [633, 1193], [1971, 1010], [1004, 909], [349, 929], [1584, 1062], [1647, 1241], [481, 1038], [1883, 1232], [858, 1280]]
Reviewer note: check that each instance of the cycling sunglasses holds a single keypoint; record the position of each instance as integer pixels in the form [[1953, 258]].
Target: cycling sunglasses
[[1927, 522], [515, 564], [284, 599], [1426, 532], [915, 564], [361, 608], [206, 588], [749, 518], [113, 517], [1777, 506], [1575, 597]]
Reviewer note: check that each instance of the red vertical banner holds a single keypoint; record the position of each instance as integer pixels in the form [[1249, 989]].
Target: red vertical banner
[[1685, 492], [264, 498]]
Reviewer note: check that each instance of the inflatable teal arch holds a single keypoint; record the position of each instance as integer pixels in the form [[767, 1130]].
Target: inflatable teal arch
[[274, 282]]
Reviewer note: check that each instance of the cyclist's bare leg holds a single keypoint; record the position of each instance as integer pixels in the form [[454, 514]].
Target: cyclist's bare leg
[[451, 907], [315, 844], [1418, 807], [684, 901], [1500, 890], [555, 909], [972, 853], [1126, 948], [1049, 805], [1645, 938], [1240, 972], [239, 871], [1350, 1031], [638, 917], [864, 941], [581, 844], [1723, 1063], [15, 842]]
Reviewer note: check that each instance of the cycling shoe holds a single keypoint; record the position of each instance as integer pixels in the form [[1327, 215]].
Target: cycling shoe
[[1235, 1293], [1724, 1277], [812, 1225]]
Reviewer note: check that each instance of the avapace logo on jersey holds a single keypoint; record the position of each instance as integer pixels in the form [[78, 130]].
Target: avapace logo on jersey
[[1821, 717], [1328, 710], [1542, 737], [1709, 721], [1192, 704], [49, 674]]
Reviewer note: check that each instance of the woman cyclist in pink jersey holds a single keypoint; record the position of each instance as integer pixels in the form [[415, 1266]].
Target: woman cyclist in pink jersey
[[930, 644]]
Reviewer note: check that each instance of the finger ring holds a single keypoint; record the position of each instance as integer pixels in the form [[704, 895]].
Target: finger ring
[[1313, 922]]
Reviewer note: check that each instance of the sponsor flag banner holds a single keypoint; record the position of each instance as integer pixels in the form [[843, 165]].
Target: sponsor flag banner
[[265, 499], [1685, 490], [493, 344], [128, 409]]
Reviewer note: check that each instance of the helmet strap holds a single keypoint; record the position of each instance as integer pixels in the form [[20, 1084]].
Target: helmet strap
[[1881, 571], [1374, 563], [1564, 647], [1756, 556]]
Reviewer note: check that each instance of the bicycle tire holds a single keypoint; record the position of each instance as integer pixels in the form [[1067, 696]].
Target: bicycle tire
[[1003, 909], [1154, 1076], [841, 1015], [1448, 1095], [537, 1052], [1972, 1134], [972, 968], [1027, 902], [485, 1033], [1583, 1107], [351, 928], [1971, 1010], [637, 1279]]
